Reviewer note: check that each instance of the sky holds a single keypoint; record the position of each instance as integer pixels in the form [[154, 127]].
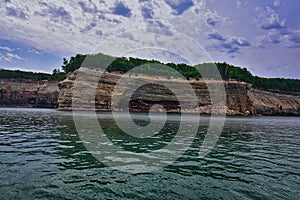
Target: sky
[[263, 36]]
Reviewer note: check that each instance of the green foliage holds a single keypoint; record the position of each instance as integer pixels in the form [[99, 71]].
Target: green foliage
[[242, 74], [153, 67], [57, 75], [17, 74], [207, 70], [73, 64]]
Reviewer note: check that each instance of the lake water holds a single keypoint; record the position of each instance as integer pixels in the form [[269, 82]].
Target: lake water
[[43, 157]]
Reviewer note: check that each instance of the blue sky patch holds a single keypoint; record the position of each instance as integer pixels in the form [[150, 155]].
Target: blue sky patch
[[121, 9]]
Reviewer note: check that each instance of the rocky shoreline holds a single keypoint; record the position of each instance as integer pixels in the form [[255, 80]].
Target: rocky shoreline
[[28, 93], [241, 98]]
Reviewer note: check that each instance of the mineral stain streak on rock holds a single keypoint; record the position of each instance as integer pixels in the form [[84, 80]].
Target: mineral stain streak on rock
[[28, 93], [241, 98]]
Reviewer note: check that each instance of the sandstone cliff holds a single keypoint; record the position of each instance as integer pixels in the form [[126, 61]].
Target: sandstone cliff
[[28, 93], [241, 98], [275, 103]]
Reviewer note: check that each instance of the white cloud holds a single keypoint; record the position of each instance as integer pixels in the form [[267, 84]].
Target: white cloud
[[34, 51], [238, 3], [277, 3], [64, 27], [7, 55], [10, 57], [61, 28], [6, 48], [284, 37], [294, 36], [239, 41], [268, 19]]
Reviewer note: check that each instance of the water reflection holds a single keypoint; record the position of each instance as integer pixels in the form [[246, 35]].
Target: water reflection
[[42, 157]]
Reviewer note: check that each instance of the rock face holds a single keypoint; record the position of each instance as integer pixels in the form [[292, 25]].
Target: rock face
[[275, 103], [28, 93], [241, 98]]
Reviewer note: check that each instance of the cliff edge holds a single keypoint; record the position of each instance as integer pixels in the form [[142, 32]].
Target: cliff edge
[[241, 98]]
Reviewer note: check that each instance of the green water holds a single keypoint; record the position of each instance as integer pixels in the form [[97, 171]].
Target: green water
[[42, 157]]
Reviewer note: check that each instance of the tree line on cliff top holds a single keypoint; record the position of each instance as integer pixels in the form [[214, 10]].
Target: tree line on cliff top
[[226, 71], [123, 65], [37, 76]]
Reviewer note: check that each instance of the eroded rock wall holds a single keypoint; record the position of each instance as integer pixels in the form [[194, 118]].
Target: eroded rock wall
[[28, 93], [275, 103], [241, 98], [237, 98]]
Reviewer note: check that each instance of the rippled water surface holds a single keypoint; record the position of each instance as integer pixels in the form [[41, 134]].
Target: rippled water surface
[[42, 157]]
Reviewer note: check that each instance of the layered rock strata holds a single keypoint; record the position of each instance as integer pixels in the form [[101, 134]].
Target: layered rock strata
[[241, 98], [28, 93]]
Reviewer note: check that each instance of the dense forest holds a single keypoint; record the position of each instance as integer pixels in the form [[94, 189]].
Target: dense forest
[[37, 76], [226, 71], [124, 64]]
